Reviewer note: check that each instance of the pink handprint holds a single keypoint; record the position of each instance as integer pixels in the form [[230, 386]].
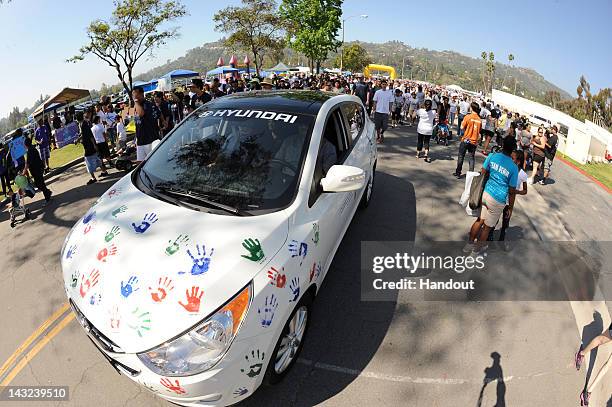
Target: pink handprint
[[105, 252], [91, 281]]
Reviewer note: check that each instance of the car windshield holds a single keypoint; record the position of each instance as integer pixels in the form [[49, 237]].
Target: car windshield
[[249, 160]]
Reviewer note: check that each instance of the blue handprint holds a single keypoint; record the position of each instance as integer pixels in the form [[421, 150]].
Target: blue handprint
[[89, 217], [294, 287], [95, 299], [201, 262], [147, 221], [128, 288], [300, 250], [71, 251], [240, 391], [266, 313]]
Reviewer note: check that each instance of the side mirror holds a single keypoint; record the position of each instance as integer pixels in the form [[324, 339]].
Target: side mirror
[[343, 178]]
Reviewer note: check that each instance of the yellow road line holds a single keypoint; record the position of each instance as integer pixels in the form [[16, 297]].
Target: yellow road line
[[36, 348], [33, 337]]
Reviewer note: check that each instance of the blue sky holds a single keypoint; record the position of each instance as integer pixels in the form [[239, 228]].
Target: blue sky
[[560, 39]]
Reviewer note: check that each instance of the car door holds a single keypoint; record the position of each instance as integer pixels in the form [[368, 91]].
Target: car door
[[320, 224]]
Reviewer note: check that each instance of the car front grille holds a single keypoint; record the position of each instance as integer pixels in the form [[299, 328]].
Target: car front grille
[[98, 337]]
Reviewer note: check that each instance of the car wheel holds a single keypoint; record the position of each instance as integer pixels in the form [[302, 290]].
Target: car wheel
[[367, 192], [290, 342]]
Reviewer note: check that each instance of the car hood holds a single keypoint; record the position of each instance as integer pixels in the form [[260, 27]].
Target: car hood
[[136, 266]]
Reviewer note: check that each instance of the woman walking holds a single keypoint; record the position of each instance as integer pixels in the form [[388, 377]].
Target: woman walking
[[539, 144], [425, 129]]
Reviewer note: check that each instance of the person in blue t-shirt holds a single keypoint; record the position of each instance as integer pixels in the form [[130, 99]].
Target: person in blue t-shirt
[[499, 189]]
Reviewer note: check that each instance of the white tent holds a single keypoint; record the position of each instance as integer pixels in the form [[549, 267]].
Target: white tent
[[456, 88]]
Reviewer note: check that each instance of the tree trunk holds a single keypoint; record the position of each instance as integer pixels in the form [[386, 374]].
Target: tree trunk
[[318, 66]]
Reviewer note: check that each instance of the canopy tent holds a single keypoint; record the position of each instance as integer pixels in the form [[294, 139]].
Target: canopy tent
[[222, 70], [454, 87], [146, 86], [280, 67], [180, 73], [64, 97]]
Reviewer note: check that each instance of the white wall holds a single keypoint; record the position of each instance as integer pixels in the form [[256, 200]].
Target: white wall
[[584, 140]]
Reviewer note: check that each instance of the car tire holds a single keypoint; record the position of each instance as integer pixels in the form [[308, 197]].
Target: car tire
[[366, 197], [274, 375]]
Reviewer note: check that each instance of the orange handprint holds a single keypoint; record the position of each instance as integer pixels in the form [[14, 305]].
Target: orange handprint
[[193, 299]]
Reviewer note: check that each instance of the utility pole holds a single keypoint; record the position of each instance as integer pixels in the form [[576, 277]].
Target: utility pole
[[364, 16]]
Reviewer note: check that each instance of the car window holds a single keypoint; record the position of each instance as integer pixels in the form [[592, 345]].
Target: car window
[[248, 159], [355, 118], [331, 152]]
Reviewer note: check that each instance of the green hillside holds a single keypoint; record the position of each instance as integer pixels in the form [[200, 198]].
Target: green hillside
[[443, 67]]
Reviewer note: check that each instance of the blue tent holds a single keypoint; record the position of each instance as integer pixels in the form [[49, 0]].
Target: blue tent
[[146, 86], [180, 73], [222, 70]]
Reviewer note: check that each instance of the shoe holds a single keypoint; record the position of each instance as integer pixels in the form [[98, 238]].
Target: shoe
[[468, 248], [427, 159], [542, 182], [92, 181], [578, 359], [484, 153], [584, 398], [104, 174]]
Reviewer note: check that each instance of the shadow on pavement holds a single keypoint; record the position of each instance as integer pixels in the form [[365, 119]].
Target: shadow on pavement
[[589, 332], [494, 373], [345, 332]]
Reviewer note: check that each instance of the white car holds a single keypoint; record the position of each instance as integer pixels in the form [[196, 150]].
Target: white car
[[194, 275]]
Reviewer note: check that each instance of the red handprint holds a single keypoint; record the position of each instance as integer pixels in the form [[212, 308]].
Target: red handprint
[[312, 272], [91, 281], [193, 299], [176, 387], [87, 229], [277, 279], [105, 252], [115, 318], [114, 192], [159, 293]]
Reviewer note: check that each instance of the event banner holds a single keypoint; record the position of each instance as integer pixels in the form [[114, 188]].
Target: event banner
[[17, 148], [67, 135]]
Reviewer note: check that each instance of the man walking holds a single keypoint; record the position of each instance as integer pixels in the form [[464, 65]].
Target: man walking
[[464, 108], [383, 101], [146, 118], [42, 137], [501, 187], [92, 161], [470, 128], [35, 166]]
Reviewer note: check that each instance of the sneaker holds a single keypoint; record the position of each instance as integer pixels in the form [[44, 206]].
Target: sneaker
[[578, 359], [104, 174], [92, 181], [468, 248], [427, 159], [584, 398], [542, 182]]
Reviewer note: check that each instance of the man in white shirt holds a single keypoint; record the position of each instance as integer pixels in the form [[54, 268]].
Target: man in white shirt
[[121, 134], [98, 132], [464, 109], [452, 111], [383, 100]]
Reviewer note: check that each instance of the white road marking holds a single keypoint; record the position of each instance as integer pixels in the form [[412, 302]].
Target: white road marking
[[404, 379]]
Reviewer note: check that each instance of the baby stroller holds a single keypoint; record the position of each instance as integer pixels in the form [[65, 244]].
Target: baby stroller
[[18, 207], [126, 159], [442, 133]]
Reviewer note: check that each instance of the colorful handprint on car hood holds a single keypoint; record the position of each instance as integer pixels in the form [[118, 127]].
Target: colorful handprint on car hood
[[155, 269]]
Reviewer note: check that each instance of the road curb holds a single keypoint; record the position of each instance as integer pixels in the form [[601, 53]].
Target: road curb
[[583, 172]]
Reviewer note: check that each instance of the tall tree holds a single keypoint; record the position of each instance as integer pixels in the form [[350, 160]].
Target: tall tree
[[313, 27], [355, 58], [255, 27], [135, 28]]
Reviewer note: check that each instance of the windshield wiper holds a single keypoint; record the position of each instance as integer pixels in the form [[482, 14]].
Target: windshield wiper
[[201, 199]]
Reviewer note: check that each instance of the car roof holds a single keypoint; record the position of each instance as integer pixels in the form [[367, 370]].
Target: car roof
[[290, 101]]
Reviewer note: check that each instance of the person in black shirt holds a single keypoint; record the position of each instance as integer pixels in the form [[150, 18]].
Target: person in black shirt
[[166, 121], [200, 97], [92, 161], [146, 118], [36, 168], [549, 152]]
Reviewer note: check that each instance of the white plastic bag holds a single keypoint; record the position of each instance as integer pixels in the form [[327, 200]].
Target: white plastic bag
[[465, 196]]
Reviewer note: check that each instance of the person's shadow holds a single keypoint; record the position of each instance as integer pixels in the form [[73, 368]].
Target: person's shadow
[[589, 332], [493, 373]]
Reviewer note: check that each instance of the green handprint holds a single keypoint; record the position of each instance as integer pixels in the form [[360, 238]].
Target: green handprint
[[110, 235], [174, 247], [119, 210], [75, 279], [315, 231], [254, 248], [142, 321]]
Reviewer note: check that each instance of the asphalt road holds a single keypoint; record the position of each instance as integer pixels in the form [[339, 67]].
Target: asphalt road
[[395, 353]]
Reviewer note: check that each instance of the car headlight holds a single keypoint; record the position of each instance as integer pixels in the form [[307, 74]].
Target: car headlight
[[204, 345]]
